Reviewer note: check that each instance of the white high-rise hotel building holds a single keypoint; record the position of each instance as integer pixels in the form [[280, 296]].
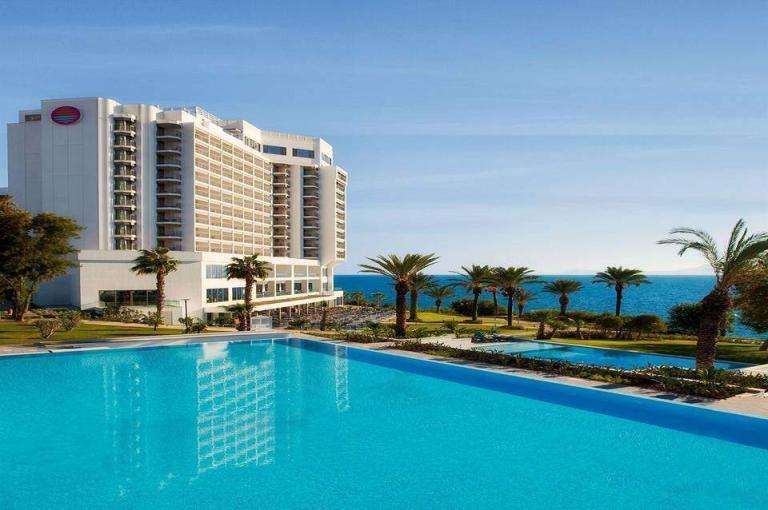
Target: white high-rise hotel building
[[137, 176]]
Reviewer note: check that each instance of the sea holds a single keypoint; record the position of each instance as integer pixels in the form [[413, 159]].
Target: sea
[[657, 297]]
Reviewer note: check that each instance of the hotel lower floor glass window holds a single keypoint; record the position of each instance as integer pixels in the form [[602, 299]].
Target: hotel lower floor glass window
[[128, 297], [296, 287], [238, 293], [216, 295]]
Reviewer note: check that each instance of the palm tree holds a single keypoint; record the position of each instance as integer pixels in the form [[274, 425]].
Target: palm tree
[[522, 296], [250, 269], [619, 278], [241, 311], [562, 288], [510, 281], [493, 289], [741, 251], [378, 296], [159, 263], [357, 297], [401, 271], [439, 293], [419, 282], [474, 279]]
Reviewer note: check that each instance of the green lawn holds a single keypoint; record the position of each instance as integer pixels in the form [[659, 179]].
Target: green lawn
[[13, 333]]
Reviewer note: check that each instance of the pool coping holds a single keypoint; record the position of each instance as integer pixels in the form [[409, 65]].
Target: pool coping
[[753, 405]]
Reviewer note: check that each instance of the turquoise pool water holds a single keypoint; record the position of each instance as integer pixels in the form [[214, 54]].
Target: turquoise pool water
[[595, 356], [296, 424]]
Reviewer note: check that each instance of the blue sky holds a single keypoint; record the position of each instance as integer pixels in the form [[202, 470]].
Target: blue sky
[[565, 136]]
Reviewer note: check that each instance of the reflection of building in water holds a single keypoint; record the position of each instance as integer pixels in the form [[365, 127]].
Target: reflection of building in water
[[235, 409], [125, 418], [341, 370]]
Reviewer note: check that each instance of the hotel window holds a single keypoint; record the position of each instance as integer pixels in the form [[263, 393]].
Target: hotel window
[[326, 158], [296, 287], [309, 286], [215, 271], [128, 297], [238, 293], [303, 153], [275, 149], [216, 295], [32, 117]]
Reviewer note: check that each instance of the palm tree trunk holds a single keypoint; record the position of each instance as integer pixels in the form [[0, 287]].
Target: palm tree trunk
[[474, 306], [619, 297], [563, 305], [401, 291], [509, 309], [248, 299], [520, 308], [160, 296], [438, 302], [714, 307], [495, 304], [414, 315]]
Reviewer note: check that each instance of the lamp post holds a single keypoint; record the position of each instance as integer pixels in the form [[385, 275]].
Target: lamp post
[[186, 315]]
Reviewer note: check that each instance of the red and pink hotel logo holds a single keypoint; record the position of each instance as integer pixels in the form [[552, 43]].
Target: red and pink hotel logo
[[65, 115]]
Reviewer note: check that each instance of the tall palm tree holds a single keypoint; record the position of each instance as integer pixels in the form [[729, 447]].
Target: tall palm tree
[[357, 297], [474, 279], [401, 271], [619, 278], [522, 296], [740, 252], [439, 293], [494, 290], [250, 269], [419, 282], [378, 296], [159, 263], [562, 288], [510, 280]]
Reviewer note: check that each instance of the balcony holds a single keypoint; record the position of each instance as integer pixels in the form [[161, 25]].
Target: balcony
[[124, 128], [123, 202], [168, 205], [168, 135], [124, 158], [126, 220], [169, 235], [124, 176], [169, 163], [125, 235], [169, 149]]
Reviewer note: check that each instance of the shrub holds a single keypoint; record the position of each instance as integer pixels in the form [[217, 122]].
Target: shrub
[[646, 323], [47, 327], [608, 322], [198, 326], [152, 319], [464, 307], [69, 319], [298, 323]]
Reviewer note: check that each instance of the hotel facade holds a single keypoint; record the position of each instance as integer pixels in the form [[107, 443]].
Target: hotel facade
[[138, 176]]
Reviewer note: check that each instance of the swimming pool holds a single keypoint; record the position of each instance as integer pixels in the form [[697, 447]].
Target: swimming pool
[[599, 356], [288, 423]]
